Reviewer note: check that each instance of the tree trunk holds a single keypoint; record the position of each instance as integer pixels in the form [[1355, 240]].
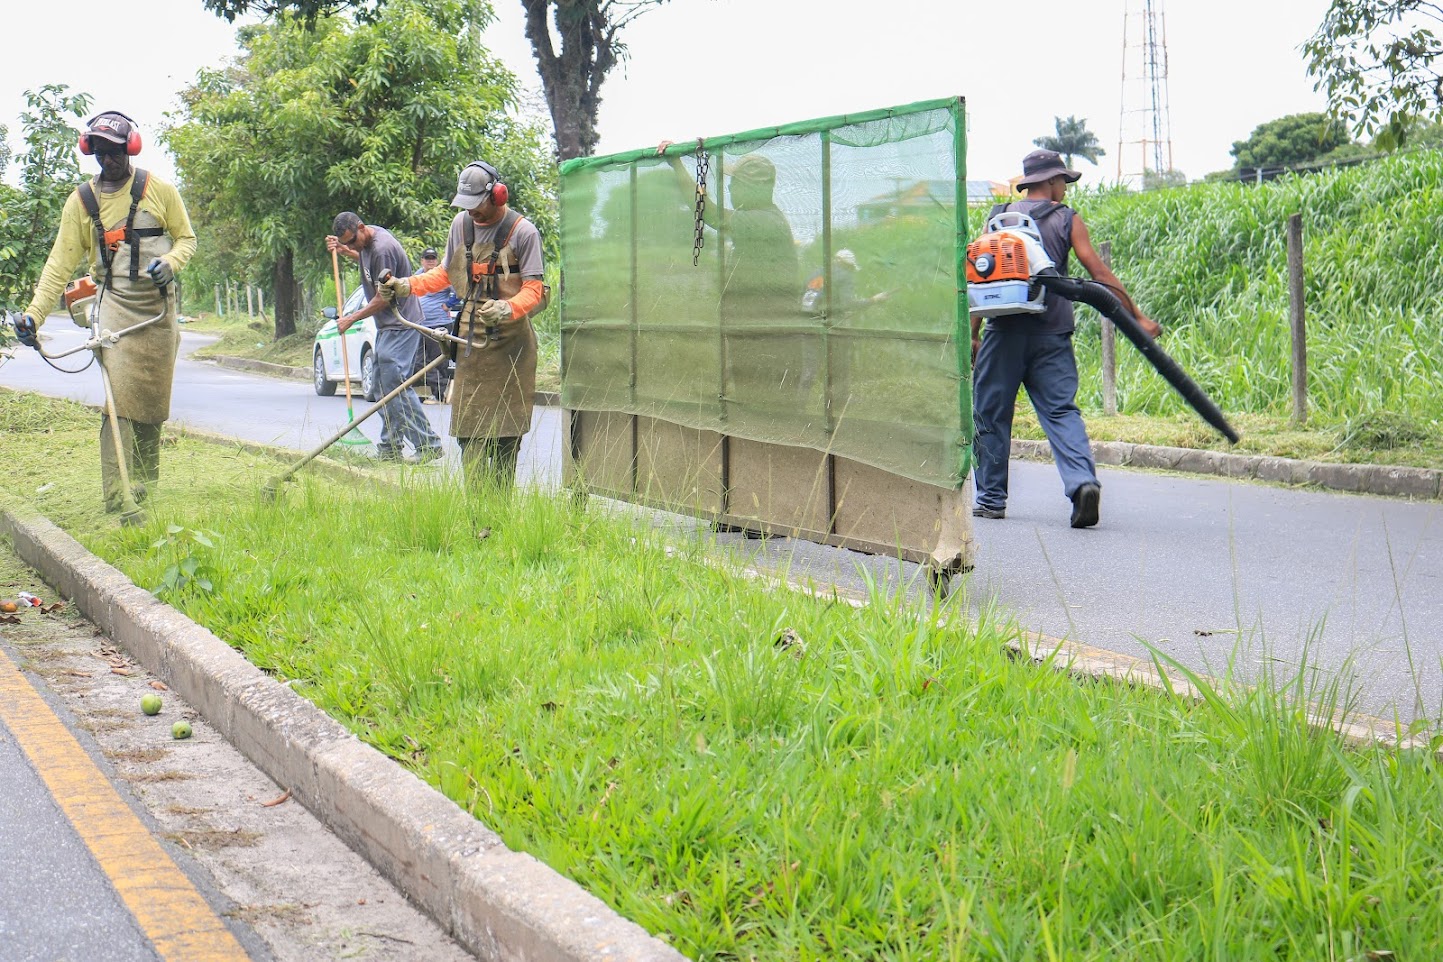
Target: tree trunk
[[572, 79], [287, 294]]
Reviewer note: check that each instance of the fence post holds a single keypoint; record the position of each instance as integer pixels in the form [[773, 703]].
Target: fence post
[[1109, 349], [260, 300], [219, 310], [1297, 319], [250, 300]]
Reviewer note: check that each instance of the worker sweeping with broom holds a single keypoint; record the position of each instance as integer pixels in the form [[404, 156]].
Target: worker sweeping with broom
[[132, 230]]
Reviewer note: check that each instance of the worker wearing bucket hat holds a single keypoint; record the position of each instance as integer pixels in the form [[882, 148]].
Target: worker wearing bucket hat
[[1035, 351], [131, 229]]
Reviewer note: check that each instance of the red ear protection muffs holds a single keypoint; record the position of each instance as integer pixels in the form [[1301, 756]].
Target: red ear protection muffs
[[496, 190], [132, 139]]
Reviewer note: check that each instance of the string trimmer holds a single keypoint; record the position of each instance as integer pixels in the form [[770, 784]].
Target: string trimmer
[[130, 513]]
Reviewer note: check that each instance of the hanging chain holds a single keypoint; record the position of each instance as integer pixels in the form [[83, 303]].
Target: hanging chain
[[702, 162]]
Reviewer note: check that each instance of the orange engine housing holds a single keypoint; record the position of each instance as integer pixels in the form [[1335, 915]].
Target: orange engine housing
[[1007, 253], [79, 290]]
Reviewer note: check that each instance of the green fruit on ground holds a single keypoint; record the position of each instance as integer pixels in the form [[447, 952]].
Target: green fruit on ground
[[180, 729], [150, 704]]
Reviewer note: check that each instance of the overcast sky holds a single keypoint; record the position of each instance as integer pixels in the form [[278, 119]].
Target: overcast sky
[[711, 67]]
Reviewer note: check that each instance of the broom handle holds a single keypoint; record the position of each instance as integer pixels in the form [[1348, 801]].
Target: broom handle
[[340, 307]]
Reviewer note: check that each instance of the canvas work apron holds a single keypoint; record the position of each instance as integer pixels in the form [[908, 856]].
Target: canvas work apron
[[495, 381], [142, 364]]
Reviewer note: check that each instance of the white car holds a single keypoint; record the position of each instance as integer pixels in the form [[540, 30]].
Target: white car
[[327, 370]]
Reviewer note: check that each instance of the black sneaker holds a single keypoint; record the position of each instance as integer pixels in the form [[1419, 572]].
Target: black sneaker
[[389, 455], [427, 455], [994, 514], [1085, 503]]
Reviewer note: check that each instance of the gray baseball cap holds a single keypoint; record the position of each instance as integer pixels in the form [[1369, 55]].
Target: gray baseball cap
[[474, 185]]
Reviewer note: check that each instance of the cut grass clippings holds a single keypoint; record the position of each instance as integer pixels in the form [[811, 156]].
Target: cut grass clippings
[[759, 774]]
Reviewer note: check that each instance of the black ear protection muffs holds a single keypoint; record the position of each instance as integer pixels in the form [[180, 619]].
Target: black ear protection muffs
[[132, 137]]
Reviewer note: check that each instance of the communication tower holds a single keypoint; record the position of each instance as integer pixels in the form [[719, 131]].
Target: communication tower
[[1144, 138]]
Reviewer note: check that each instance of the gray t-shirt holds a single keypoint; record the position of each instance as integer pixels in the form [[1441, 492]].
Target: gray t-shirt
[[525, 241], [384, 252]]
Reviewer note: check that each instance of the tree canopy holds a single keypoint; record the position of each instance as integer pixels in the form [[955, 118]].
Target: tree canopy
[[1377, 62], [49, 171], [374, 117], [572, 72], [1289, 141], [1072, 138]]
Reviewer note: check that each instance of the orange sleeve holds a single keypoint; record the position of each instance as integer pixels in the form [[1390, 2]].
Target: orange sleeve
[[526, 299], [436, 279]]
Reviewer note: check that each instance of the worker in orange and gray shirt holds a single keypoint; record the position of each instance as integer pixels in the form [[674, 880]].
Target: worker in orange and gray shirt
[[493, 261]]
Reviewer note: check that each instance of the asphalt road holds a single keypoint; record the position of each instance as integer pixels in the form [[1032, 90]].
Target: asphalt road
[[1215, 573]]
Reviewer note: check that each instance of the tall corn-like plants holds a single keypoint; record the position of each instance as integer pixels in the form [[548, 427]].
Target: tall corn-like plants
[[1210, 263]]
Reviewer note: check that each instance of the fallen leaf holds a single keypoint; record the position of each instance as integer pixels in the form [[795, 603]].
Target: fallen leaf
[[9, 620], [52, 608], [159, 686], [75, 674], [119, 671], [483, 534], [360, 901], [277, 800]]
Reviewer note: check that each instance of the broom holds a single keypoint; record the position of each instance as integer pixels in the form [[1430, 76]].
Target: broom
[[354, 436]]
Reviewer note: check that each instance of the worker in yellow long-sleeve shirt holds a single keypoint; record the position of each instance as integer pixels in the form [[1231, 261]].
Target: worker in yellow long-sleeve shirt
[[132, 230]]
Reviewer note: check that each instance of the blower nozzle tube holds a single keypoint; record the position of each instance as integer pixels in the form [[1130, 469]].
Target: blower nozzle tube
[[1110, 306]]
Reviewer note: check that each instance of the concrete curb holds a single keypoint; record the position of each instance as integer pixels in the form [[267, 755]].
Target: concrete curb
[[259, 367], [1379, 479], [500, 904]]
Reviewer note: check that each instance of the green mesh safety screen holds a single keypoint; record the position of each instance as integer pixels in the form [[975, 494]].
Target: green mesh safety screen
[[825, 311]]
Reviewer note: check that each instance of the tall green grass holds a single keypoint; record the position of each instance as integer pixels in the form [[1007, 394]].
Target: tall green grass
[[1210, 263], [757, 774]]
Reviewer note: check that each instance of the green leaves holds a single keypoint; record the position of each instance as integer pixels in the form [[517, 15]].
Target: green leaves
[[30, 216], [185, 570], [375, 117], [1375, 60], [1072, 138]]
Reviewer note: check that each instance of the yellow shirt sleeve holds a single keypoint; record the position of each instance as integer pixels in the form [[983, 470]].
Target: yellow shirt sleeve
[[72, 246], [170, 210], [75, 241]]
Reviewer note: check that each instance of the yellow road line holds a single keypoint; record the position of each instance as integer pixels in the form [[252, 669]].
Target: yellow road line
[[171, 913]]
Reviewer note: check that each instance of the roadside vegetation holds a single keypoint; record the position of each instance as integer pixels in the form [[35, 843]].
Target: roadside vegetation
[[1209, 262], [759, 774]]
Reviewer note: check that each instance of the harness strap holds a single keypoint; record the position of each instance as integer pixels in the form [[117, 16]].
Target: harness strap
[[138, 186], [102, 240], [107, 241]]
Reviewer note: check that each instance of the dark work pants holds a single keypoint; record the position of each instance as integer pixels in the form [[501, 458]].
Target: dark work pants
[[140, 444], [489, 461], [1045, 365]]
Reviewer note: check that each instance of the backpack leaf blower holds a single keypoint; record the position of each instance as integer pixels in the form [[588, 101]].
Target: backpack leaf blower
[[1010, 274]]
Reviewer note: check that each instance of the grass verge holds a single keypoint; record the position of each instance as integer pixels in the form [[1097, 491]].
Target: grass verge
[[1371, 439], [758, 774], [254, 338]]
